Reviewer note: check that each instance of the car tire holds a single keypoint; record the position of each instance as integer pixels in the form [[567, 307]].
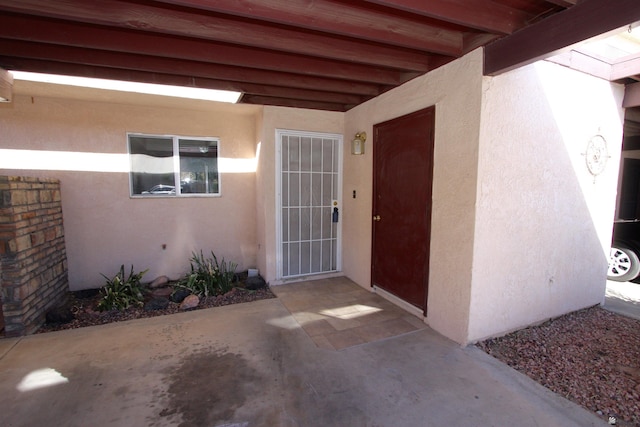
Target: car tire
[[624, 264]]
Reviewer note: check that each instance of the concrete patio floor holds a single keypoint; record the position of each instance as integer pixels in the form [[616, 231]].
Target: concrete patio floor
[[254, 364], [623, 298]]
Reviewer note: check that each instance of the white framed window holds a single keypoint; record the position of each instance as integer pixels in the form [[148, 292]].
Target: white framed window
[[173, 166]]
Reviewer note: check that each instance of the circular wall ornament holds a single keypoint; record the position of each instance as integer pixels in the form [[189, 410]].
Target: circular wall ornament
[[596, 155]]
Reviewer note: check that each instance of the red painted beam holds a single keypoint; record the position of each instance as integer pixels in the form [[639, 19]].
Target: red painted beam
[[346, 19], [223, 29], [72, 34], [283, 102], [478, 14], [563, 3], [587, 19], [67, 54], [631, 96], [264, 91], [627, 67]]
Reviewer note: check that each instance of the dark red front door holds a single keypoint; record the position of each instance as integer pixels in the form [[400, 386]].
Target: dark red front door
[[403, 171]]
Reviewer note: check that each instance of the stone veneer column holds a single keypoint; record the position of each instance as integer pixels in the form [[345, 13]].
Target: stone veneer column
[[33, 258]]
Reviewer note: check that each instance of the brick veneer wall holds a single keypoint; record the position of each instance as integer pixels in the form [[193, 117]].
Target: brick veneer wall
[[33, 258]]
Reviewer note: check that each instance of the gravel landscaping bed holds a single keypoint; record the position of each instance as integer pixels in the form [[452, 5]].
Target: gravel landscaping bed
[[83, 305], [591, 357]]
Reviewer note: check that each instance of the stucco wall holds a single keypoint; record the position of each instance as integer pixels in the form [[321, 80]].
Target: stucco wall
[[455, 90], [104, 226], [520, 229], [543, 222], [281, 118]]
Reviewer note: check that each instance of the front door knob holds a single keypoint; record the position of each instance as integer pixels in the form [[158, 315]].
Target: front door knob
[[376, 217]]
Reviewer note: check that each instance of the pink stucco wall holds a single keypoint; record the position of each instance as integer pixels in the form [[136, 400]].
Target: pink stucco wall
[[486, 129], [79, 137], [271, 119]]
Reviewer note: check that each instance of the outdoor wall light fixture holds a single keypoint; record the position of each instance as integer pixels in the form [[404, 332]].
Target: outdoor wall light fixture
[[357, 145]]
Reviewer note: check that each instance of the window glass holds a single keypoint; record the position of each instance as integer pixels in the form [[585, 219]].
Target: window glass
[[173, 166], [198, 166]]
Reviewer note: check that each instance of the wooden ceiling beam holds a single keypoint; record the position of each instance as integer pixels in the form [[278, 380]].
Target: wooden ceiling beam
[[284, 102], [476, 40], [563, 3], [79, 35], [333, 18], [587, 19], [145, 17], [67, 54], [478, 14], [625, 69], [81, 70], [631, 96]]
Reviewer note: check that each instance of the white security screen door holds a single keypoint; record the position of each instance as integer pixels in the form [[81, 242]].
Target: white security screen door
[[308, 183]]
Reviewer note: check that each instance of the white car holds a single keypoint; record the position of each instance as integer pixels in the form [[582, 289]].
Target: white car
[[161, 189], [624, 258]]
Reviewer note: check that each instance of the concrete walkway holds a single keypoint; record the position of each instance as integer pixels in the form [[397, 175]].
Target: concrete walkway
[[254, 365], [623, 298]]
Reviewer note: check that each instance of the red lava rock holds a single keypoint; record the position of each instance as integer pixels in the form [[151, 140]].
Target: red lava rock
[[159, 282], [190, 302], [591, 357], [161, 292]]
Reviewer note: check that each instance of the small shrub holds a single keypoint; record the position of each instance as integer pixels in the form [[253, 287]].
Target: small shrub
[[208, 276], [122, 292]]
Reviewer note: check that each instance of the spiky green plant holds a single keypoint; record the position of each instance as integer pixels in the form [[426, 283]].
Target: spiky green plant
[[208, 276], [122, 292]]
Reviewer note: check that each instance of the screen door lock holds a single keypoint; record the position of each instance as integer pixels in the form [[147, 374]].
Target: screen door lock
[[335, 214]]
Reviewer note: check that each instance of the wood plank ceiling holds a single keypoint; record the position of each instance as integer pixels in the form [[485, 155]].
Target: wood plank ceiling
[[319, 54]]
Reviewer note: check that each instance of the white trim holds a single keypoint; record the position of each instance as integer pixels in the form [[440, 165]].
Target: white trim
[[306, 277], [175, 164], [412, 309]]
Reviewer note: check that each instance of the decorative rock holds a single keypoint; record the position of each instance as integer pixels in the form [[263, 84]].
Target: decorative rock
[[190, 302], [159, 303], [159, 282], [180, 294], [254, 283], [60, 315], [162, 292]]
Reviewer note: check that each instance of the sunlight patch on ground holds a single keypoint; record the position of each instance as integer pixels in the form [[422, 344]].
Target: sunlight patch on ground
[[350, 311], [286, 322], [41, 378], [624, 290]]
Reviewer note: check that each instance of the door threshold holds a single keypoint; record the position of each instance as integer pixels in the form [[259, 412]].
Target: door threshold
[[305, 278], [412, 309]]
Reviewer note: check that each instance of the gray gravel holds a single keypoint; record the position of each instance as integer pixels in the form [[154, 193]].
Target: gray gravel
[[591, 357]]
